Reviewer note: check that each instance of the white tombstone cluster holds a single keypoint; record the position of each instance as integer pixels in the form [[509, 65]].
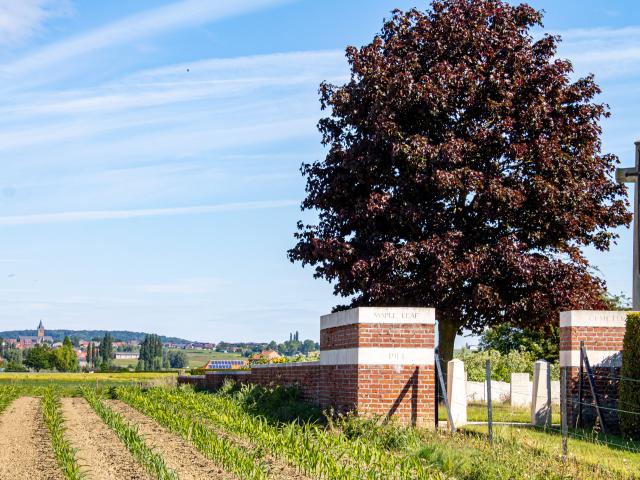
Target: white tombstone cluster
[[540, 394]]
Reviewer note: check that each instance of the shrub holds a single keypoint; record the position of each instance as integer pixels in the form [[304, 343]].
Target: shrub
[[630, 373], [502, 366]]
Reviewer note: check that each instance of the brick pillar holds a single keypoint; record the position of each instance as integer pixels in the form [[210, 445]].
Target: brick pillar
[[603, 334], [379, 361]]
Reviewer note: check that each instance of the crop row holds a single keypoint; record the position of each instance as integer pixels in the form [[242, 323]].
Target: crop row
[[215, 447], [311, 448], [8, 394], [129, 435], [65, 455]]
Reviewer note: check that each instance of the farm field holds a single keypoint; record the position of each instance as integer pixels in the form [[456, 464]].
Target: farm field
[[129, 431], [196, 358]]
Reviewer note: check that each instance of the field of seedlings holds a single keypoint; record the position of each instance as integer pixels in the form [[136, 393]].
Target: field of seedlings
[[136, 431]]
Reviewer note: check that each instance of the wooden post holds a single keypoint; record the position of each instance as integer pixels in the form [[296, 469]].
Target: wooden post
[[489, 407]]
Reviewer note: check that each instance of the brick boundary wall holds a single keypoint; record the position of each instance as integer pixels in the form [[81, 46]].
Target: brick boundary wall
[[603, 334], [373, 360]]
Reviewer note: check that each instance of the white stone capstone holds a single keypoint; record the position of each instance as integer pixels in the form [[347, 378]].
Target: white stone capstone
[[377, 356], [457, 391], [594, 318], [396, 315], [541, 396], [520, 391]]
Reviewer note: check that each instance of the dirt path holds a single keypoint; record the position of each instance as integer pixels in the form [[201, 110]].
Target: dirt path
[[25, 447], [178, 454], [100, 452]]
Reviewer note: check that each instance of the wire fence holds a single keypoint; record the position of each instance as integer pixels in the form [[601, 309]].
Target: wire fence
[[598, 396]]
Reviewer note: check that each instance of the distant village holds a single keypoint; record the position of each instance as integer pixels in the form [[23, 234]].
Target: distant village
[[87, 351]]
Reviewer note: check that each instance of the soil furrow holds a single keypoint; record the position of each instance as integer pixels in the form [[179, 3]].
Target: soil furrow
[[178, 454], [100, 452], [25, 446]]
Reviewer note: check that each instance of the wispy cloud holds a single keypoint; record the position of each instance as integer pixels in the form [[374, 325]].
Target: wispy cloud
[[185, 286], [83, 216], [22, 19], [607, 52], [152, 22]]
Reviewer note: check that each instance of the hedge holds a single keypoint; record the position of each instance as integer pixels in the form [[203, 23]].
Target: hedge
[[502, 366], [630, 379]]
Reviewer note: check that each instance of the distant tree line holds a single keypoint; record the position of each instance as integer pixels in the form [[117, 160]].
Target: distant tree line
[[291, 347]]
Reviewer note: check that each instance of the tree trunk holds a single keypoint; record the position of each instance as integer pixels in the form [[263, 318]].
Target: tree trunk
[[447, 331]]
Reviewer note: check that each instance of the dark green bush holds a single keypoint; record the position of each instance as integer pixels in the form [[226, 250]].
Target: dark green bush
[[630, 387]]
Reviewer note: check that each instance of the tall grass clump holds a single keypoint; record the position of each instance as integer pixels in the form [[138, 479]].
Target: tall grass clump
[[65, 455], [129, 435], [630, 379]]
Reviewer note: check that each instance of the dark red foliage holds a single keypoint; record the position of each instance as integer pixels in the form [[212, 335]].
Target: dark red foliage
[[464, 171]]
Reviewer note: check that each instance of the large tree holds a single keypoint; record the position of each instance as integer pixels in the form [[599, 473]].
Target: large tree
[[464, 172]]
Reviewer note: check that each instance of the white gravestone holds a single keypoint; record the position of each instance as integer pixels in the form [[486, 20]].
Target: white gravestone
[[541, 395], [520, 390], [457, 392]]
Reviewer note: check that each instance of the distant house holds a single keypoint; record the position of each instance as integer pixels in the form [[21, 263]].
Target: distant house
[[199, 346], [266, 355], [126, 355], [82, 358]]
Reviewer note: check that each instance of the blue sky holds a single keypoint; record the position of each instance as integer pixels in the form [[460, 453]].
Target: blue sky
[[150, 154]]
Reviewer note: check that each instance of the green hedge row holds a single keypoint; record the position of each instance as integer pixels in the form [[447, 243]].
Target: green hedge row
[[630, 383]]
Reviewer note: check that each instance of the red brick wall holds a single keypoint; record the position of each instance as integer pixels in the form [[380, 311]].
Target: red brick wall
[[595, 338], [377, 335], [404, 392], [374, 377]]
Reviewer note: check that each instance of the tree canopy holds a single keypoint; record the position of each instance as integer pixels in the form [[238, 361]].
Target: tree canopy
[[464, 171]]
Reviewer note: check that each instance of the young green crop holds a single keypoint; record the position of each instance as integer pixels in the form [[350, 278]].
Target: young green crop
[[214, 447], [129, 435], [314, 450], [65, 455], [7, 395]]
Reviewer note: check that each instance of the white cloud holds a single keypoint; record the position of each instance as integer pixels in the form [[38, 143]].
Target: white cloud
[[152, 22], [83, 216], [22, 19]]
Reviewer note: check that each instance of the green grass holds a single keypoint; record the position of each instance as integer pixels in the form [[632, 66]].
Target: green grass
[[69, 384], [354, 448], [502, 412], [591, 451], [196, 358]]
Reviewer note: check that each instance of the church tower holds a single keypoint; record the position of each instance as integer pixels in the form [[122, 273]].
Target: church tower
[[40, 332]]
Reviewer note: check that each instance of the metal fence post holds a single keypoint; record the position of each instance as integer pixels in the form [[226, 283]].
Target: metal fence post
[[580, 385], [489, 407], [443, 388], [549, 420], [563, 409]]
